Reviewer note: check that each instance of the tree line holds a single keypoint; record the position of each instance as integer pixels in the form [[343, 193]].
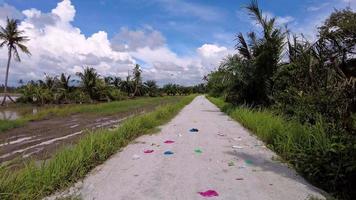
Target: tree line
[[313, 83], [90, 87]]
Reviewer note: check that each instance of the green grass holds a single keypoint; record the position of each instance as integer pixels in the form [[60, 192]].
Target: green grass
[[72, 163], [325, 159], [284, 136], [98, 109]]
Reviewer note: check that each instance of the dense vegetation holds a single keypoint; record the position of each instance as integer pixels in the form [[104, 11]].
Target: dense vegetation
[[72, 163], [300, 96], [91, 87]]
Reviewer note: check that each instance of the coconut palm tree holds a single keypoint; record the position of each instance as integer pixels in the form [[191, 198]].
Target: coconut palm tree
[[152, 87], [89, 81], [137, 79], [13, 38]]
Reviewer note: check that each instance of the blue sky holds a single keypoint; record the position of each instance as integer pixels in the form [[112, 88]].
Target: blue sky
[[181, 28]]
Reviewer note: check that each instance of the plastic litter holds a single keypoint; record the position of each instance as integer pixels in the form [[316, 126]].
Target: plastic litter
[[198, 151], [220, 134], [209, 193], [169, 142], [148, 151], [168, 153], [194, 130], [135, 157], [249, 162], [237, 147], [230, 164]]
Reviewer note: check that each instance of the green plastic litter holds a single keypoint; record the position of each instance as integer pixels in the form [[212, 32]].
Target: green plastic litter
[[249, 162], [198, 151], [230, 164]]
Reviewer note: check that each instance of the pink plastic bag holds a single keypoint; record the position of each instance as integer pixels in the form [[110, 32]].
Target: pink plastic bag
[[169, 142], [148, 151], [209, 193]]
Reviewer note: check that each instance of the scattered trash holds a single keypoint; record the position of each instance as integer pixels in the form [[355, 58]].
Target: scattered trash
[[239, 179], [249, 162], [180, 135], [169, 142], [220, 134], [198, 151], [230, 164], [237, 139], [241, 167], [168, 153], [209, 193], [157, 145], [237, 147], [135, 157], [148, 151], [194, 130]]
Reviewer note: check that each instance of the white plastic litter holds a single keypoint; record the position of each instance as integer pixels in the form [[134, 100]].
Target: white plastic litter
[[135, 157]]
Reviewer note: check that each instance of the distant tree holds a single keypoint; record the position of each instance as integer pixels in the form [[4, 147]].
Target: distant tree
[[137, 79], [151, 87], [89, 79], [117, 82], [127, 85], [13, 38]]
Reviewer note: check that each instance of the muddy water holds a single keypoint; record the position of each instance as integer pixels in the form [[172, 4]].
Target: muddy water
[[40, 139], [12, 113]]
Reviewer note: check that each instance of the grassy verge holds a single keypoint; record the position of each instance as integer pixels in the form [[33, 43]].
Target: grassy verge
[[326, 160], [71, 164], [99, 109]]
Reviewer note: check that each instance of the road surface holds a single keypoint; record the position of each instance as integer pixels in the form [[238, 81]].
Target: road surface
[[231, 162]]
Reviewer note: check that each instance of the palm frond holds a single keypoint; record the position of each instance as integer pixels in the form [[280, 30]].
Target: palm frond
[[242, 46]]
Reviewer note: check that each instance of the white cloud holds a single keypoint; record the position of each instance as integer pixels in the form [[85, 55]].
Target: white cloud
[[65, 11], [130, 40], [318, 7], [10, 12], [57, 46], [184, 8], [166, 66]]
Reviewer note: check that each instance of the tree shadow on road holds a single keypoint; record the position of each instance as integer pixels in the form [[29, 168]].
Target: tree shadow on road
[[262, 164]]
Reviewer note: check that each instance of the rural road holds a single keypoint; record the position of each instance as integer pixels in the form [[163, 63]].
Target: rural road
[[232, 163]]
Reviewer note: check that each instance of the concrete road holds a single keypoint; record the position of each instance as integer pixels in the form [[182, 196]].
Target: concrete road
[[232, 162]]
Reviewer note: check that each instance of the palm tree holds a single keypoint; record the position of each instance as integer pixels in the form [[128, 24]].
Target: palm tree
[[13, 39], [152, 88], [137, 79], [89, 81], [127, 85]]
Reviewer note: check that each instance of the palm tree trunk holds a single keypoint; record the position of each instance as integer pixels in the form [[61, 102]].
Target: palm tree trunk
[[6, 78]]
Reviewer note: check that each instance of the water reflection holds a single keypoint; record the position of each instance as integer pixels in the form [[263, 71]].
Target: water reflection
[[13, 113]]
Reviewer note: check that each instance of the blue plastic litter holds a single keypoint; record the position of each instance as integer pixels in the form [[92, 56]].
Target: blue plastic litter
[[168, 153]]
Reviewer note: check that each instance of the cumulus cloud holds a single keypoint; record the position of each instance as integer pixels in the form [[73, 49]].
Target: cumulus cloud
[[130, 40], [10, 12], [57, 46], [166, 66]]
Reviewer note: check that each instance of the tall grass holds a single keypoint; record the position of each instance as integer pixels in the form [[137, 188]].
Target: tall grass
[[98, 109], [73, 163], [326, 160]]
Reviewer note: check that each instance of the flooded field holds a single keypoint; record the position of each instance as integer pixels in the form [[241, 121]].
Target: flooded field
[[13, 112], [40, 139]]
